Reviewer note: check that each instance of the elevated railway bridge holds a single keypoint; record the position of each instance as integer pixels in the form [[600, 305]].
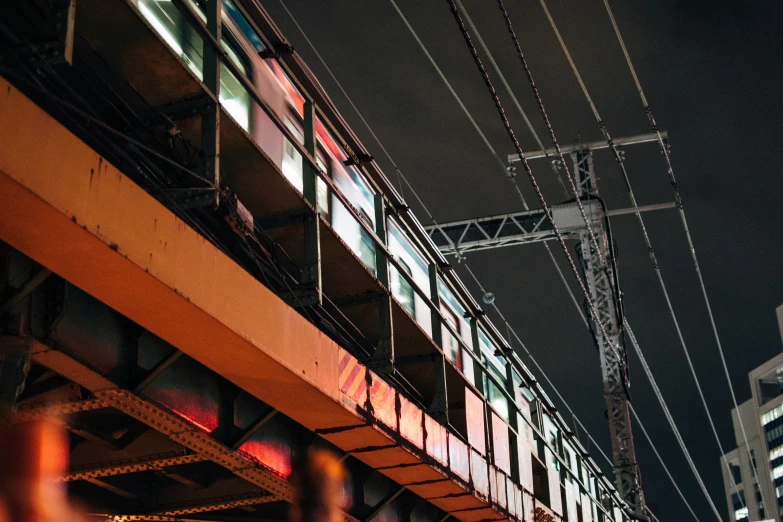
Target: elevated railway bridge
[[203, 274]]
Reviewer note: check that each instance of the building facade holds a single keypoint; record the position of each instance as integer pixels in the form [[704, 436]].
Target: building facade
[[753, 479]]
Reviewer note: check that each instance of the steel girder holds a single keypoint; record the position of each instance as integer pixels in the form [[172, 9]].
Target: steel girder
[[157, 462], [471, 235], [599, 280]]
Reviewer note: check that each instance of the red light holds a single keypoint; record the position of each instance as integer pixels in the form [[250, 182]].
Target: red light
[[272, 454]]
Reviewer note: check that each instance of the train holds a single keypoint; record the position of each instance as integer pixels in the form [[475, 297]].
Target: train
[[244, 47]]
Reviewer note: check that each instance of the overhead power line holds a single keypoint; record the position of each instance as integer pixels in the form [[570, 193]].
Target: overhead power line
[[651, 252], [660, 459], [513, 97], [510, 132], [678, 199], [430, 215], [528, 170], [553, 137], [511, 330], [670, 419]]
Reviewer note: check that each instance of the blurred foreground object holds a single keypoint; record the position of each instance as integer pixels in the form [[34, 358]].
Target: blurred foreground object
[[319, 488], [33, 458]]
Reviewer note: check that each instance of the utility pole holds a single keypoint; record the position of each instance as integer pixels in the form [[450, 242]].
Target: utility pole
[[460, 237]]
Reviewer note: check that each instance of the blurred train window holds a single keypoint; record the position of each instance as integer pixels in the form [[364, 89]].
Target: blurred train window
[[359, 195], [292, 159], [496, 397], [405, 252], [458, 309], [294, 97], [494, 394], [174, 28], [243, 25], [348, 180], [402, 289], [323, 188], [493, 361], [451, 346], [233, 95], [454, 349], [352, 233]]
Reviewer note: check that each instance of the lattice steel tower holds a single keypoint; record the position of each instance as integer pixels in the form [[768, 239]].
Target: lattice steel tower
[[600, 276]]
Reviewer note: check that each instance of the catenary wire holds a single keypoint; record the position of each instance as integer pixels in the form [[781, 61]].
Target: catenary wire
[[467, 267], [665, 153], [430, 215], [510, 132], [651, 252], [399, 172], [545, 117], [559, 152], [528, 170], [660, 459], [670, 419], [513, 97]]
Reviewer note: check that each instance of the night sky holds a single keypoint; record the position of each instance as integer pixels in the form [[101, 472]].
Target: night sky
[[711, 70]]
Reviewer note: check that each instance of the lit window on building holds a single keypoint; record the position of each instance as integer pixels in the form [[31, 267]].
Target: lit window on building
[[772, 415], [740, 506]]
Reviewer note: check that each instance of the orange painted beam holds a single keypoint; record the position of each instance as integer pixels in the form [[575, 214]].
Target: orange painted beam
[[70, 210], [73, 212]]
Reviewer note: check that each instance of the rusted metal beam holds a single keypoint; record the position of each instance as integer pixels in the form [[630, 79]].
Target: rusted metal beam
[[29, 412], [216, 504], [138, 254], [152, 518], [157, 462], [139, 259], [163, 421], [182, 432], [110, 487], [174, 515]]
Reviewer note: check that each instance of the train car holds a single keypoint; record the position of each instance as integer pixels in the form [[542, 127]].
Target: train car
[[245, 49]]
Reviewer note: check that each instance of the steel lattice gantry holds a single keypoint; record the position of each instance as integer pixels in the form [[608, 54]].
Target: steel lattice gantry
[[598, 267], [459, 238]]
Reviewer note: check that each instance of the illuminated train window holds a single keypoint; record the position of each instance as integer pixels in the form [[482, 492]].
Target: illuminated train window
[[174, 28], [402, 290]]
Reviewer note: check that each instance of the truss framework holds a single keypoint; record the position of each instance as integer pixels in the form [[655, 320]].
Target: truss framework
[[460, 237]]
